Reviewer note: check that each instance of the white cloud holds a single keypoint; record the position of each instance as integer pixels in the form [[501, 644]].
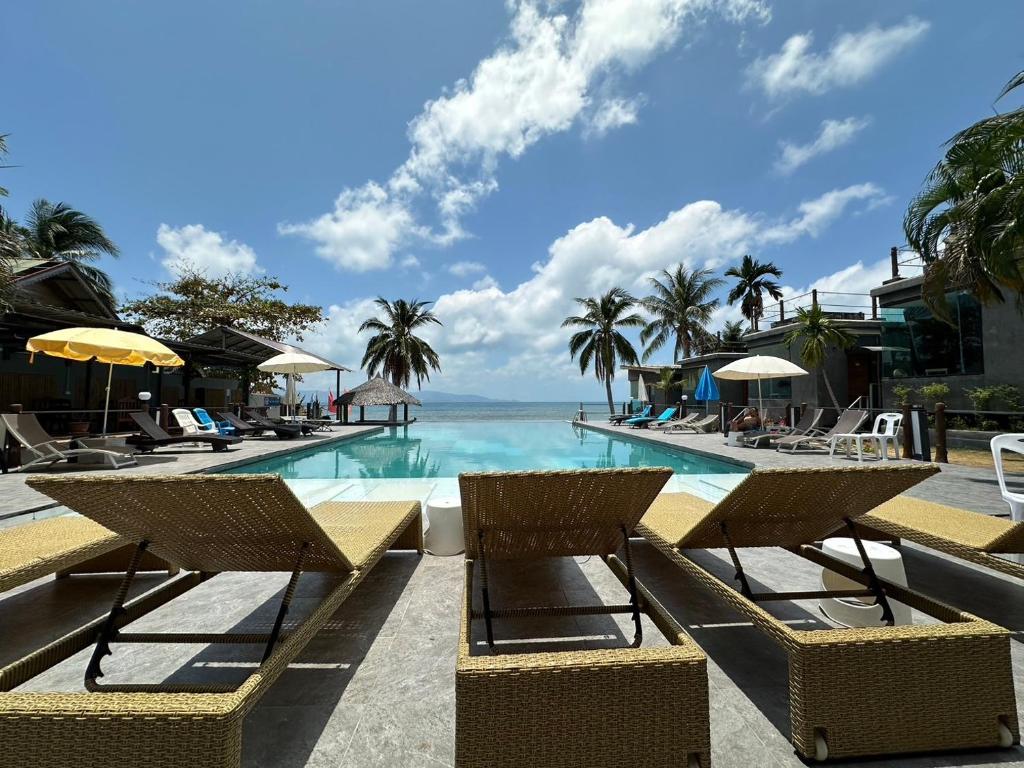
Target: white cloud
[[612, 113], [817, 214], [410, 262], [466, 268], [197, 247], [510, 342], [538, 82], [852, 58], [363, 230], [832, 135]]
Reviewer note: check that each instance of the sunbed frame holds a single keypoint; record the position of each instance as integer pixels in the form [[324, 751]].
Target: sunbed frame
[[853, 692], [167, 725], [620, 706]]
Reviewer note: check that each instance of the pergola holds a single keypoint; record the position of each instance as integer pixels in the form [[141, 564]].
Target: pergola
[[377, 393]]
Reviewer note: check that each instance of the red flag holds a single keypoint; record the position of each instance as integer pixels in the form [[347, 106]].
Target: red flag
[[331, 406]]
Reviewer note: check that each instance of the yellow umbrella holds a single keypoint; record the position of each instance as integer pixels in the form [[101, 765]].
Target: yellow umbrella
[[104, 345]]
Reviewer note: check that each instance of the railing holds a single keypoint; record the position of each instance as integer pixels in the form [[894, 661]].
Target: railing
[[838, 305]]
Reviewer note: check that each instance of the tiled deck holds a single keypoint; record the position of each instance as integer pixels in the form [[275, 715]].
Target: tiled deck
[[376, 687]]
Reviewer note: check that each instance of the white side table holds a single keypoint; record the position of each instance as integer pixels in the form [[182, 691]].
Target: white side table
[[861, 611], [444, 535]]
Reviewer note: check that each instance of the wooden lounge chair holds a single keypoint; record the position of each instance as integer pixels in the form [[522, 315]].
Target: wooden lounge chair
[[293, 430], [849, 421], [207, 524], [853, 692], [971, 536], [41, 448], [152, 436], [808, 425], [613, 706]]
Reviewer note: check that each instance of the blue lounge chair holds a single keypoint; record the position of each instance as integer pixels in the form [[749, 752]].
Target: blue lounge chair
[[640, 422], [207, 421], [621, 417]]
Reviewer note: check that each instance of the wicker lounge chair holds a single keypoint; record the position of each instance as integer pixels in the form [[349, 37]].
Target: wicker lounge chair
[[152, 436], [702, 425], [808, 425], [853, 692], [206, 524], [25, 429], [613, 706], [971, 536], [62, 546], [849, 421]]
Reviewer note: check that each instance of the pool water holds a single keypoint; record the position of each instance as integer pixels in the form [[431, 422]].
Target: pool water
[[444, 450]]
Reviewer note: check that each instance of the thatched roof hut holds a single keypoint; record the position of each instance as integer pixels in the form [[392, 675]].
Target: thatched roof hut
[[375, 393]]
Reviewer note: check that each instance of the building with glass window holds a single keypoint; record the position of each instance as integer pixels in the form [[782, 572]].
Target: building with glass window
[[979, 348]]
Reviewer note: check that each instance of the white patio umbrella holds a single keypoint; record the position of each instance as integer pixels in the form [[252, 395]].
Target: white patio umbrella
[[290, 363], [641, 388], [758, 367]]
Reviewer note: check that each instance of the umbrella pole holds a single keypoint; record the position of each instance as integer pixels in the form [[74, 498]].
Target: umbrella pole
[[106, 404], [760, 400]]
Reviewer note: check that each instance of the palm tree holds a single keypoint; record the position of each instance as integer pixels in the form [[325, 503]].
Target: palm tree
[[732, 334], [682, 306], [58, 231], [967, 223], [394, 349], [753, 283], [815, 329], [600, 343], [10, 243]]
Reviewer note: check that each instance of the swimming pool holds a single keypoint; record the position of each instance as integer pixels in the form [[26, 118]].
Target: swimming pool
[[444, 450]]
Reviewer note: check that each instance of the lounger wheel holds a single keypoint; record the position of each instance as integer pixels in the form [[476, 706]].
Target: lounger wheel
[[820, 746], [1005, 734]]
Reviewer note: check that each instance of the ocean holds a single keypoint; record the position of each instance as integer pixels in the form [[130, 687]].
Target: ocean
[[488, 411]]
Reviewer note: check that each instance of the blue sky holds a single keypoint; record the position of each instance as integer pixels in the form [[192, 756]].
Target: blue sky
[[497, 158]]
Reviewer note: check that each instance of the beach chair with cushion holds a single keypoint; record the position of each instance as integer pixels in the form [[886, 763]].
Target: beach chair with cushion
[[872, 691], [152, 436], [581, 707], [206, 524], [808, 425], [849, 421], [642, 422], [281, 429], [40, 449], [986, 540], [621, 417]]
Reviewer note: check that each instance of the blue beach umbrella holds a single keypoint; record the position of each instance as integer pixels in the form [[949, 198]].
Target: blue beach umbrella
[[707, 389]]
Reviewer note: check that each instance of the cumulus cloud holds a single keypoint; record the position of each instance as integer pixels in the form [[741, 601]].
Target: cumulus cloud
[[197, 247], [466, 268], [832, 135], [410, 262], [852, 58], [538, 82], [509, 340]]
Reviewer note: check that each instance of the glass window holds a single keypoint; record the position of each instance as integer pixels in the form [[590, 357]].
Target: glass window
[[917, 344], [775, 389]]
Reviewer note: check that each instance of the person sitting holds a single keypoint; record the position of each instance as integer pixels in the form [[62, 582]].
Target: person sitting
[[749, 419]]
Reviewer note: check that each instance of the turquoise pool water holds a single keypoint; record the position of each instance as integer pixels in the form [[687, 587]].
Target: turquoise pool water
[[438, 450]]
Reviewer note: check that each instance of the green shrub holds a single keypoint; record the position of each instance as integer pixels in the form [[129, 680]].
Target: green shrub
[[903, 394], [957, 422], [1017, 425], [981, 397], [989, 425], [934, 393], [1009, 394]]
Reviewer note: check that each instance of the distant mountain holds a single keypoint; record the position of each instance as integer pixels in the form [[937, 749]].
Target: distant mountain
[[433, 396]]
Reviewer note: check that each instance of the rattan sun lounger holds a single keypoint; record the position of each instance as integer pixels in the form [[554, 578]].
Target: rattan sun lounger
[[207, 524], [853, 692], [970, 536], [576, 708], [62, 546]]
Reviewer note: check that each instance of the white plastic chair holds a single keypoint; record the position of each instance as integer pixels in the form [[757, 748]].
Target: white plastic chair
[[885, 430], [1000, 443], [188, 423]]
